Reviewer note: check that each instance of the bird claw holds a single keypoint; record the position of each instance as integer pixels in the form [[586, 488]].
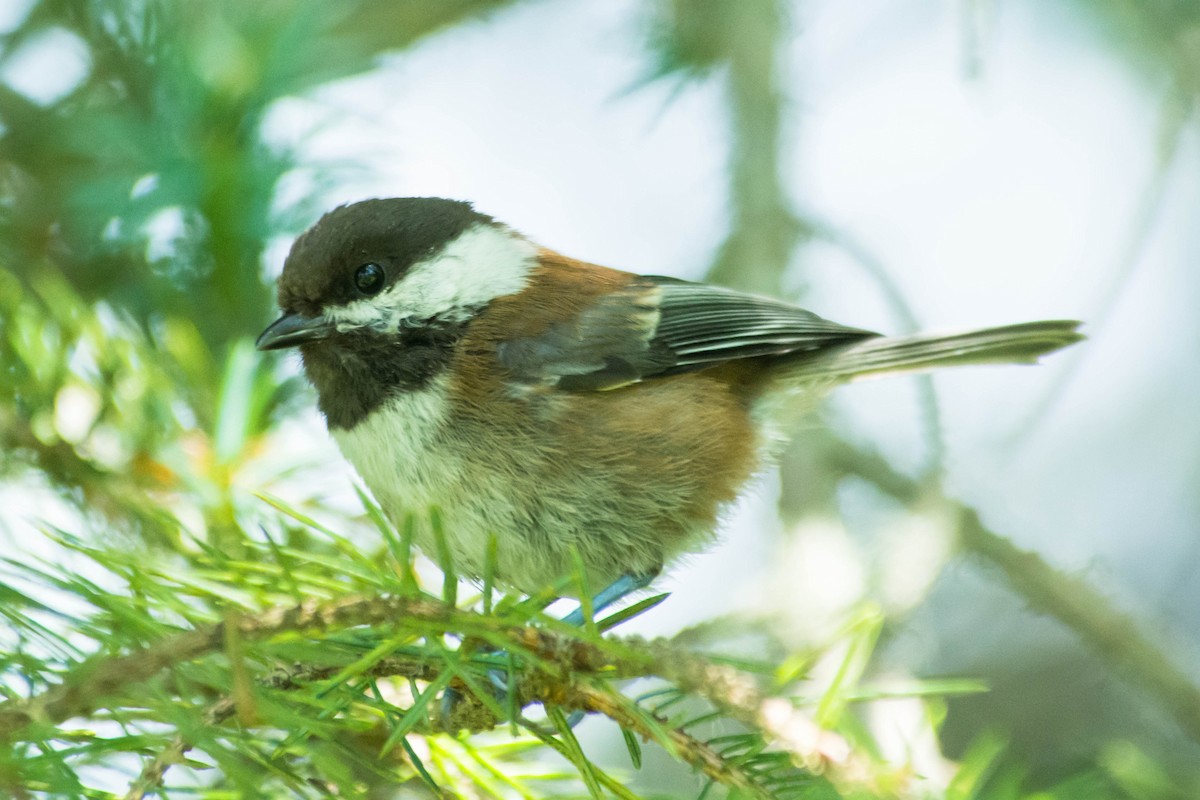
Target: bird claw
[[456, 714], [452, 699]]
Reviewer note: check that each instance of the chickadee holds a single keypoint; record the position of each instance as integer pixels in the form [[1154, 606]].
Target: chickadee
[[560, 405]]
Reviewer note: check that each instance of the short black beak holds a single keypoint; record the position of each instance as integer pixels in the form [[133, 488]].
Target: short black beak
[[292, 330]]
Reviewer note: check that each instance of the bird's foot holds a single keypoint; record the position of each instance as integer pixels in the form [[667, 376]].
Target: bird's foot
[[456, 713], [498, 680]]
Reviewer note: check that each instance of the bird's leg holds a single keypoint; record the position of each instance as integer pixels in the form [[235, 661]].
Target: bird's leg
[[619, 589]]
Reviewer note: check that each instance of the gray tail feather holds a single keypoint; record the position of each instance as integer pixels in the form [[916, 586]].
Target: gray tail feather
[[1007, 344]]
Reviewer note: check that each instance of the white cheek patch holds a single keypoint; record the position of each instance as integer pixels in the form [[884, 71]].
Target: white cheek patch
[[483, 263]]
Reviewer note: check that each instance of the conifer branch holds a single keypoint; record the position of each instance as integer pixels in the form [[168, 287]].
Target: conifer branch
[[86, 687], [558, 675]]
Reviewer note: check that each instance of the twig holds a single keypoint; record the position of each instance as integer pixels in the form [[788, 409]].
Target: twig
[[538, 686], [152, 774], [729, 690], [689, 749], [85, 687], [735, 694]]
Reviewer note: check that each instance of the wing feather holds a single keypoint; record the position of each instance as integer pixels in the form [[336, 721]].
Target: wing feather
[[663, 326]]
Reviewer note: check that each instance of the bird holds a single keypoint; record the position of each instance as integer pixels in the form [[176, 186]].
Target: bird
[[571, 412]]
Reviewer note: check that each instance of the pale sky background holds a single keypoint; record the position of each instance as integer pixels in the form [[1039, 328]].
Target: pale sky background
[[1004, 197]]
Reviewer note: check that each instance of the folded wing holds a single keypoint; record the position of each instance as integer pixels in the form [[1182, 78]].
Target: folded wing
[[660, 326]]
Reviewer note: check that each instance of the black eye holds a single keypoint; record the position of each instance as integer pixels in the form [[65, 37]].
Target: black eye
[[369, 279]]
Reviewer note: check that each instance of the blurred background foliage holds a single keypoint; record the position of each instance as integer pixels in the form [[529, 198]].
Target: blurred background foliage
[[141, 195]]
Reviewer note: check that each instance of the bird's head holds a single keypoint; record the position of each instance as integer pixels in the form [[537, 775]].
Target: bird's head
[[376, 294], [381, 267]]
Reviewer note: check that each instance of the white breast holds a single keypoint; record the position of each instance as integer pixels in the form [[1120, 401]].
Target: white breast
[[411, 456], [399, 450]]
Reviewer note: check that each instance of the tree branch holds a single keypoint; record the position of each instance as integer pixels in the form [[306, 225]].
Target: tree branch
[[85, 687], [151, 776], [689, 749], [563, 683]]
